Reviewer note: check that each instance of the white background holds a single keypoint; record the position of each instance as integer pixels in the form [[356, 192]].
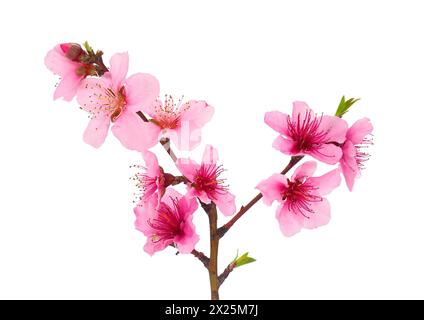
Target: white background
[[66, 220]]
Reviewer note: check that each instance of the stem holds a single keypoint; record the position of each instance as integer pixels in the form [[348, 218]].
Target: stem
[[201, 256], [224, 229], [214, 244], [226, 273]]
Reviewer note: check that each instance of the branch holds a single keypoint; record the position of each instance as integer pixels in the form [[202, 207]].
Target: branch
[[226, 273], [202, 257], [224, 229]]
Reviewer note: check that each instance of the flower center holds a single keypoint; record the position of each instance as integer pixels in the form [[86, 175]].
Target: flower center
[[207, 180], [168, 114], [306, 133], [168, 223], [361, 155], [299, 195], [144, 183]]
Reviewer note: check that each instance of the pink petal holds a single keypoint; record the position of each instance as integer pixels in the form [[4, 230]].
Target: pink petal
[[187, 241], [91, 92], [68, 86], [335, 127], [321, 215], [118, 69], [226, 203], [152, 246], [305, 170], [152, 165], [198, 113], [284, 145], [185, 137], [300, 110], [210, 155], [187, 167], [141, 90], [272, 188], [96, 131], [170, 195], [327, 182], [134, 133], [327, 153], [348, 164], [277, 121], [187, 205], [56, 62], [144, 213], [290, 223], [359, 130]]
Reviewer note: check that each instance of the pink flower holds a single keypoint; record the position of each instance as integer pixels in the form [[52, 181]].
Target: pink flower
[[306, 133], [205, 182], [169, 223], [152, 179], [182, 123], [354, 155], [113, 98], [301, 199], [63, 60]]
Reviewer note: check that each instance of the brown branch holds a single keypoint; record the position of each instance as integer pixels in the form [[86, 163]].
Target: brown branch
[[214, 245], [202, 257], [226, 273], [224, 229]]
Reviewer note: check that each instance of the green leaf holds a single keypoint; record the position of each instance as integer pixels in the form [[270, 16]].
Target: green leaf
[[344, 106], [89, 49], [242, 260]]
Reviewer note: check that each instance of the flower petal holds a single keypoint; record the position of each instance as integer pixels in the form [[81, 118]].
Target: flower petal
[[327, 182], [321, 215], [152, 165], [152, 246], [187, 241], [185, 137], [300, 111], [187, 167], [58, 63], [277, 121], [284, 145], [348, 164], [141, 90], [210, 155], [198, 113], [96, 131], [226, 203], [305, 170], [118, 69], [272, 188], [359, 130], [134, 133], [290, 223], [335, 127], [91, 93], [327, 153], [68, 86]]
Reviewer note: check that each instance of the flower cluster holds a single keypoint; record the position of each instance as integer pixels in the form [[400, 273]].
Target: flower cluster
[[325, 138], [139, 119]]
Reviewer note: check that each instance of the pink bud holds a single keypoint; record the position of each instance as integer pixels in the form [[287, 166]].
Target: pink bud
[[71, 50]]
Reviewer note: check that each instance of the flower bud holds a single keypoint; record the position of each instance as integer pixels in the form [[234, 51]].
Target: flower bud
[[71, 50]]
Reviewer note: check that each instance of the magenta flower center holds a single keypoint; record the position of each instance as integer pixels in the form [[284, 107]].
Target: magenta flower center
[[168, 223], [168, 114], [306, 133], [299, 195], [207, 180]]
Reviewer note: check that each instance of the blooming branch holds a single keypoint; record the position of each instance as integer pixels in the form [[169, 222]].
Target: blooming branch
[[139, 119]]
